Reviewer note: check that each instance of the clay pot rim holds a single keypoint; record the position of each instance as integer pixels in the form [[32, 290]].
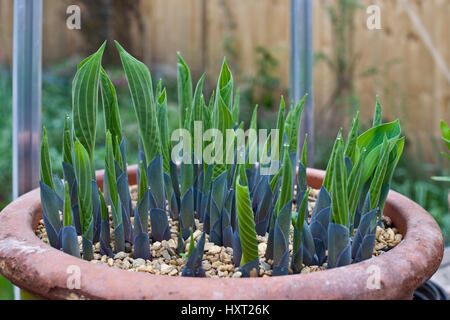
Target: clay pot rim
[[42, 270]]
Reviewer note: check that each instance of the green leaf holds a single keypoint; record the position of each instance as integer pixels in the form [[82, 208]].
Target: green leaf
[[355, 184], [83, 173], [143, 185], [187, 177], [222, 123], [379, 175], [327, 181], [140, 84], [254, 120], [111, 112], [184, 90], [293, 126], [441, 179], [85, 101], [445, 133], [46, 165], [111, 172], [246, 224], [236, 107], [377, 118], [394, 158], [339, 196], [164, 129], [252, 146], [303, 209], [280, 125], [67, 142], [373, 137], [67, 212], [351, 144], [103, 207], [304, 157], [286, 182], [196, 112], [274, 181], [372, 140], [191, 244], [224, 90], [206, 116]]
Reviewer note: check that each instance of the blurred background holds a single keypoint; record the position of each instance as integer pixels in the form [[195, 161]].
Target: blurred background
[[351, 65]]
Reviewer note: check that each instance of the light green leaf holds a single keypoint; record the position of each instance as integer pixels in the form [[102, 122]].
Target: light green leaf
[[67, 212], [143, 185], [140, 84], [445, 133], [163, 125], [85, 102], [67, 142], [372, 140], [246, 224], [280, 125], [286, 182], [111, 176], [83, 173], [111, 112], [351, 144], [377, 118], [236, 107], [355, 184], [304, 157], [339, 196], [196, 112], [327, 181], [184, 90], [379, 175], [293, 125]]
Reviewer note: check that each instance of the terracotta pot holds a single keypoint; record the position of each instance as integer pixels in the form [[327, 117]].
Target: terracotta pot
[[45, 271]]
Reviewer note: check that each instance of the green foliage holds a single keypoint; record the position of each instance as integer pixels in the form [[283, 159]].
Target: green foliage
[[234, 206], [67, 213], [304, 155], [293, 125], [67, 142], [339, 196], [110, 106], [163, 125], [327, 180], [286, 182], [46, 166], [280, 125], [377, 119], [350, 146], [355, 184], [446, 138], [184, 90], [85, 100], [246, 224], [140, 84], [111, 172], [373, 139], [83, 173]]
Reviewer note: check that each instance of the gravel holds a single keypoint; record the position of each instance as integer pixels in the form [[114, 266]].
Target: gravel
[[217, 261]]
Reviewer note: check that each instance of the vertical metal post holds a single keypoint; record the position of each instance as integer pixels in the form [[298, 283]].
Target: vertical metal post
[[301, 69], [27, 52]]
